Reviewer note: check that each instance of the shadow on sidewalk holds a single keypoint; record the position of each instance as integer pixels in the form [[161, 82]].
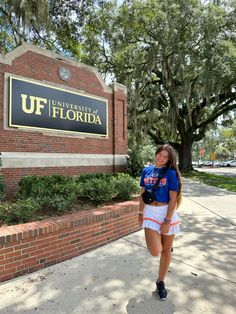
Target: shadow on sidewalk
[[150, 305], [194, 189], [119, 278], [209, 241]]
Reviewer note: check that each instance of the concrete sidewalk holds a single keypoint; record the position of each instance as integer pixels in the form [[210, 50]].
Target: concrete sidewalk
[[119, 278]]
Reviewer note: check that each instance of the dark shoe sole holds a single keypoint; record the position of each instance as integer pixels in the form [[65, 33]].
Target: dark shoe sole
[[163, 299]]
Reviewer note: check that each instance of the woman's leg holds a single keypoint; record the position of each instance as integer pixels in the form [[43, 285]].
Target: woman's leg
[[167, 242], [153, 241]]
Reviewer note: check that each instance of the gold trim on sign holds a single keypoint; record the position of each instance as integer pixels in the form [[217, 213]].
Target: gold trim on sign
[[61, 89], [10, 103]]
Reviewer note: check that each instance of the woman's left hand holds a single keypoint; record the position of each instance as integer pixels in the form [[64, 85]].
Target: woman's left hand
[[165, 227]]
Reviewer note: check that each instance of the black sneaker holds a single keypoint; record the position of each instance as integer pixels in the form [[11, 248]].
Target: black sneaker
[[161, 290]]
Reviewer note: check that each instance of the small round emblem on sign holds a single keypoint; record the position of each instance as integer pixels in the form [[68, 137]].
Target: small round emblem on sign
[[64, 73]]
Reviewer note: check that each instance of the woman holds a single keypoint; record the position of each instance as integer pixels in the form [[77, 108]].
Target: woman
[[159, 219]]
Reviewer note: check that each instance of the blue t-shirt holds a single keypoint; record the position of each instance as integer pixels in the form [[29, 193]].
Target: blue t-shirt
[[169, 182]]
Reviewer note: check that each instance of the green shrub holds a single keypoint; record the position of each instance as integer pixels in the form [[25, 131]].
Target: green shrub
[[61, 203], [85, 177], [20, 212], [125, 186], [26, 184], [55, 184], [134, 162], [97, 190], [56, 192], [58, 203]]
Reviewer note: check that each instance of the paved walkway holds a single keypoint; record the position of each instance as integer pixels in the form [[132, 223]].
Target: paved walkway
[[119, 278]]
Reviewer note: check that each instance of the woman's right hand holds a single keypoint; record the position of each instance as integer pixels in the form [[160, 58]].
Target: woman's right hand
[[140, 219], [141, 207]]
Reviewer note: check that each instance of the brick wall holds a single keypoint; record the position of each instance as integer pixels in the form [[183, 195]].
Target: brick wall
[[32, 246], [30, 62]]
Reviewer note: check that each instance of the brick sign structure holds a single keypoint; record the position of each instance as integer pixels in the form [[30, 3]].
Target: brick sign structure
[[58, 117]]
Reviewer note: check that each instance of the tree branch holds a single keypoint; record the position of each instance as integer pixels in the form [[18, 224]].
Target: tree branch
[[225, 108]]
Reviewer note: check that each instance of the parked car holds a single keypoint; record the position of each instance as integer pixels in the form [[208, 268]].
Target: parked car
[[199, 164], [229, 163], [207, 163], [219, 164]]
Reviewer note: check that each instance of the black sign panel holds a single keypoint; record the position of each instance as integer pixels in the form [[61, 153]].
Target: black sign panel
[[42, 106]]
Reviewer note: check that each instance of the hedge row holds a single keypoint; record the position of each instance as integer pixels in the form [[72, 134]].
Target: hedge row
[[57, 194]]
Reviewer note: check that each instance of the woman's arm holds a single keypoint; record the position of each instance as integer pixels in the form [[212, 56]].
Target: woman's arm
[[141, 207], [165, 227], [141, 202], [171, 204]]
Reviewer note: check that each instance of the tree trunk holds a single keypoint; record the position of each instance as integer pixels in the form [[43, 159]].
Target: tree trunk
[[185, 153]]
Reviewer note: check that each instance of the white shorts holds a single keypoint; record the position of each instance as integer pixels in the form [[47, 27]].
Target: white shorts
[[154, 216]]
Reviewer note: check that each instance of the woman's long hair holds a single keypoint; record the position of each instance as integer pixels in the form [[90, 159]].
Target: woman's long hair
[[172, 163]]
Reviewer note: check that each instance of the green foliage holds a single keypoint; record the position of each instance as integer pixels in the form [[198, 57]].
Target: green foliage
[[55, 184], [170, 55], [97, 190], [56, 203], [45, 23], [22, 21], [148, 150], [102, 188], [60, 193], [221, 141], [85, 177], [125, 186], [134, 162], [56, 192], [66, 23], [20, 212]]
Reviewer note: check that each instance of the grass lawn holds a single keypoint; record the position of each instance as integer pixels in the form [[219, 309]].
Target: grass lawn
[[225, 182]]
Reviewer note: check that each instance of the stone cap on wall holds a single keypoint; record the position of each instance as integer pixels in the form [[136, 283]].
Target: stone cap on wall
[[116, 86]]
